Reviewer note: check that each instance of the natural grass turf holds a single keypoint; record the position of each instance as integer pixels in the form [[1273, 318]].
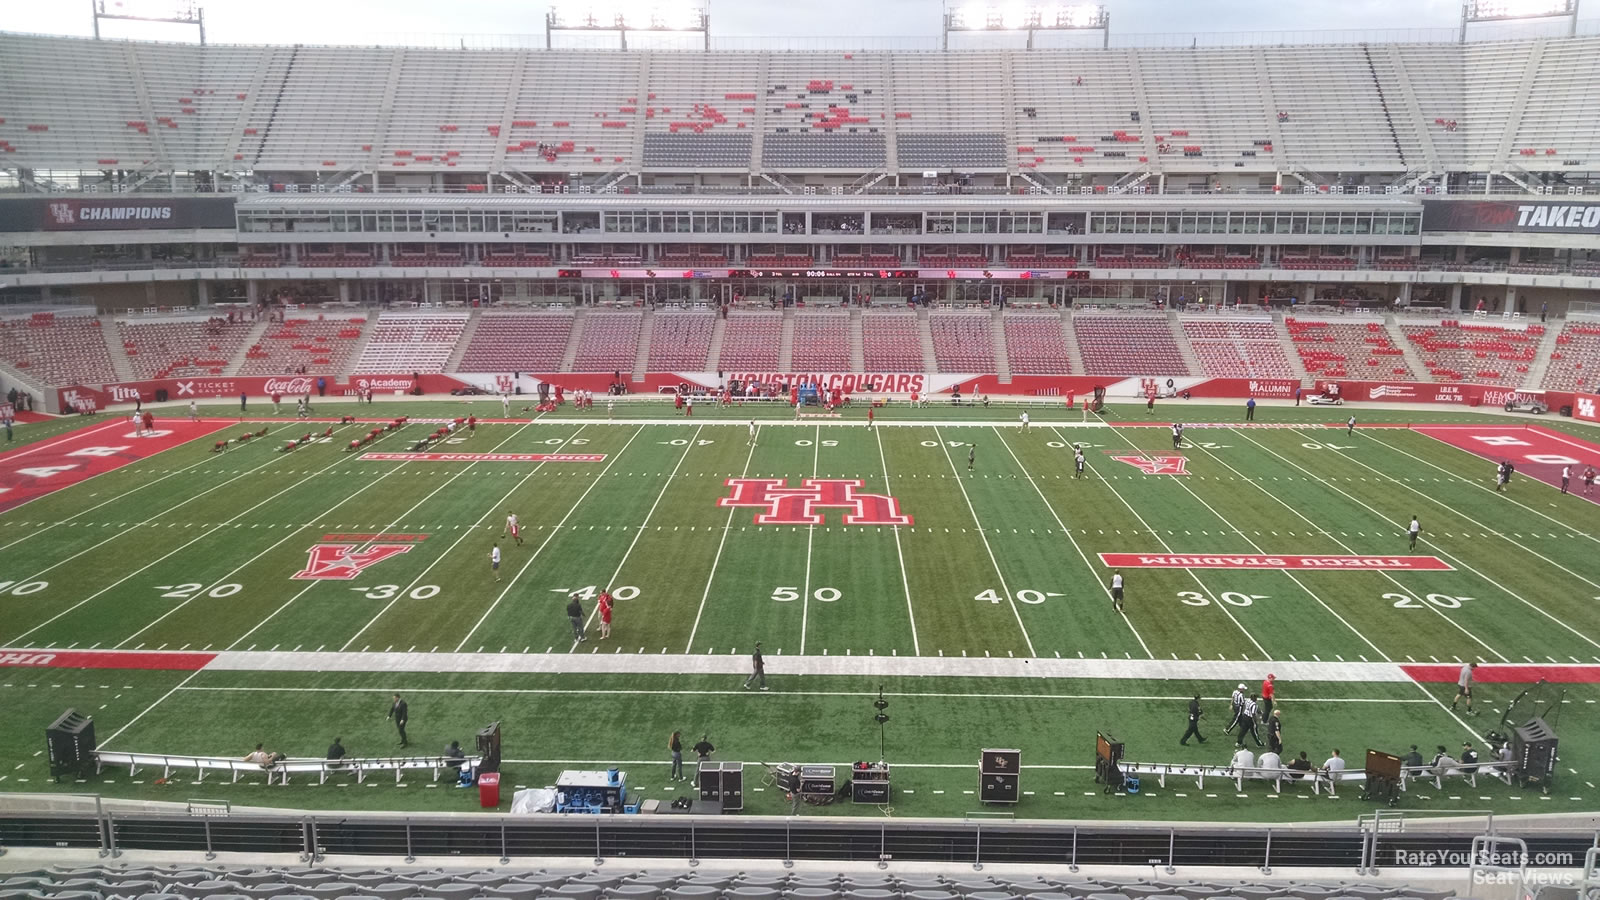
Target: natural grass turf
[[1015, 533]]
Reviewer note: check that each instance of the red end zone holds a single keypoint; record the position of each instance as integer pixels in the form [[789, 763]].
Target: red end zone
[[1535, 452], [1269, 561], [488, 457], [39, 469]]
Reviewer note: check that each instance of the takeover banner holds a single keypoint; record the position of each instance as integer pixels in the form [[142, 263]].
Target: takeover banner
[[1511, 216]]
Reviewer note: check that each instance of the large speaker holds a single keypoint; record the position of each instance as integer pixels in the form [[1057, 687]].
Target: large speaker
[[817, 780], [71, 745], [1533, 748], [732, 786], [489, 747], [709, 779], [869, 783], [998, 776]]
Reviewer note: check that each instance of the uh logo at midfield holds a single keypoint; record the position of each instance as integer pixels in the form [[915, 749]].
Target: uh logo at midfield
[[785, 505]]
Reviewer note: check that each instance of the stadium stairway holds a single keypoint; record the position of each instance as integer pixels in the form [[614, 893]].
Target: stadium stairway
[[641, 357], [786, 341], [120, 363], [1189, 358], [1070, 335], [1002, 357], [930, 362], [580, 317], [453, 364], [714, 351], [1295, 362], [257, 331], [1541, 358], [858, 349], [1408, 352]]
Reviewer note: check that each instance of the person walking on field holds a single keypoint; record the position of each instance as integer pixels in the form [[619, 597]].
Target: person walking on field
[[1116, 589], [1464, 688], [575, 615], [1414, 530], [758, 668], [604, 605], [398, 712], [1195, 712]]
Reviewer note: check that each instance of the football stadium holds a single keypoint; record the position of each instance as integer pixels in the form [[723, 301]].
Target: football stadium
[[1052, 467]]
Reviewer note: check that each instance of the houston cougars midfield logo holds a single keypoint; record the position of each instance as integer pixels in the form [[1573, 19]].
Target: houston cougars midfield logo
[[340, 562], [784, 505], [1156, 465]]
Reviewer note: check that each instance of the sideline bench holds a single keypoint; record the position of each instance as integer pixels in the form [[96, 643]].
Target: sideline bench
[[1318, 778], [202, 765], [1500, 769]]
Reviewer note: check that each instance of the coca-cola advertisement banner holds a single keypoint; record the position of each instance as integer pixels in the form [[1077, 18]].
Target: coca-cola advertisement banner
[[123, 213], [1511, 216], [253, 388]]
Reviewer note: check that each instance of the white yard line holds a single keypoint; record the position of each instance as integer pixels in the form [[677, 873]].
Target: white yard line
[[1344, 546], [547, 539], [469, 532], [717, 560], [811, 534], [69, 436], [143, 712], [905, 584], [1068, 532], [1212, 595], [1457, 560], [203, 535], [279, 542], [1468, 481], [906, 695], [642, 526], [275, 458], [945, 449]]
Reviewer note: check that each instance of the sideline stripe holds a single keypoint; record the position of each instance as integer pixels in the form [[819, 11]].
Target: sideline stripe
[[907, 695]]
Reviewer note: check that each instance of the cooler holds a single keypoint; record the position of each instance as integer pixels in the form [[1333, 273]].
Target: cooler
[[489, 790]]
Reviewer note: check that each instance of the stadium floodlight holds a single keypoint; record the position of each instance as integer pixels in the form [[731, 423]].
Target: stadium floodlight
[[1474, 11], [1028, 17], [623, 16], [181, 13]]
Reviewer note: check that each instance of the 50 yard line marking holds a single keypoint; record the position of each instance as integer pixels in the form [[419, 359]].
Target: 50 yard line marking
[[1068, 532], [174, 550], [1457, 560], [1155, 534], [905, 584], [982, 533], [642, 525], [548, 538], [496, 507], [1342, 544], [727, 526], [811, 532]]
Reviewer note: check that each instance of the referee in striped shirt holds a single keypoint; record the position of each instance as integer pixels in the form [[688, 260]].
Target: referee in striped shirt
[[1247, 720]]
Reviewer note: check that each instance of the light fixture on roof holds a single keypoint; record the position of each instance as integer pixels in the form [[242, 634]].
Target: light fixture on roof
[[1475, 11], [1028, 17], [623, 16], [183, 12]]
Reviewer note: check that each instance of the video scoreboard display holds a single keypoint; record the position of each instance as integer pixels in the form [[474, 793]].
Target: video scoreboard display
[[802, 274], [836, 274]]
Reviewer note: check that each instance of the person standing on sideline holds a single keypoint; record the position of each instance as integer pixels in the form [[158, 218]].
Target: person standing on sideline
[[241, 401], [604, 605], [1588, 481], [575, 614], [758, 668], [1269, 687], [1464, 687], [1275, 731], [1350, 427], [1177, 436], [1237, 701], [752, 441], [1247, 720], [704, 749], [972, 456], [1149, 403], [611, 407], [1414, 530], [398, 712], [505, 405], [1024, 423], [1250, 410], [336, 751], [494, 560], [675, 744], [1077, 462], [871, 414], [1566, 476], [1116, 589], [194, 412], [1502, 475], [6, 420], [1195, 712], [1297, 396], [688, 406]]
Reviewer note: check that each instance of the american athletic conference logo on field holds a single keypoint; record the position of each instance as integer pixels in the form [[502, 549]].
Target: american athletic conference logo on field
[[786, 505], [343, 562]]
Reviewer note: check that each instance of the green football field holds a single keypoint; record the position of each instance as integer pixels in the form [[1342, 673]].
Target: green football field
[[986, 616]]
